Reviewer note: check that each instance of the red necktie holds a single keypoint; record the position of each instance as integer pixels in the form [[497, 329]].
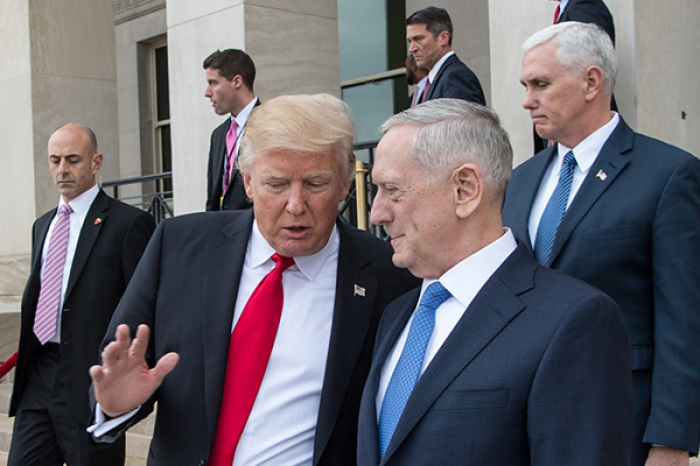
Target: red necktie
[[52, 278], [231, 137], [249, 351], [556, 14]]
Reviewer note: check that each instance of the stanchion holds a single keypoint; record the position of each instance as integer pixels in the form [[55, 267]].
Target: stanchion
[[361, 195]]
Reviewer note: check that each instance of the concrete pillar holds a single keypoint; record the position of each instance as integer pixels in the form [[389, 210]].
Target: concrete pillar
[[294, 45], [56, 65]]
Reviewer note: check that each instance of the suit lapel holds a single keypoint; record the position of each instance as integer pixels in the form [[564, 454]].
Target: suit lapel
[[493, 308], [604, 171], [439, 74], [355, 297], [225, 257], [94, 220], [526, 195], [386, 341]]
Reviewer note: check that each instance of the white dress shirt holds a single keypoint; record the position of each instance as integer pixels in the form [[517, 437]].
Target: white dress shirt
[[463, 281], [281, 428], [80, 205], [585, 154]]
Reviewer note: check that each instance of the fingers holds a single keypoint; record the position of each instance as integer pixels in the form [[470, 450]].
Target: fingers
[[139, 345], [165, 365], [96, 374]]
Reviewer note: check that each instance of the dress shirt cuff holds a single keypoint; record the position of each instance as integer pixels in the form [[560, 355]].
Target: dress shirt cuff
[[104, 424]]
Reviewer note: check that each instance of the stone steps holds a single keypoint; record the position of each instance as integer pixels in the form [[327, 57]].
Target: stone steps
[[138, 438]]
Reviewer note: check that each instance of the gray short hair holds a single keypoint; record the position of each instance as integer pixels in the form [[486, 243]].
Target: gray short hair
[[580, 45], [453, 132]]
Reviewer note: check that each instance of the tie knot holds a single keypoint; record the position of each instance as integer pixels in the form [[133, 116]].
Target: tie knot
[[434, 295], [234, 126], [66, 209], [282, 262], [569, 159]]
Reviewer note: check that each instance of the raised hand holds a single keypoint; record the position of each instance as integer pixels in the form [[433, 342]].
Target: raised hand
[[124, 381]]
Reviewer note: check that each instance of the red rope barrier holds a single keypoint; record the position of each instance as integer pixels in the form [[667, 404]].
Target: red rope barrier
[[8, 365]]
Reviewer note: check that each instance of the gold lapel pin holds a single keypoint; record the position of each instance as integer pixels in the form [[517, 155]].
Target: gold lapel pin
[[359, 291], [601, 174]]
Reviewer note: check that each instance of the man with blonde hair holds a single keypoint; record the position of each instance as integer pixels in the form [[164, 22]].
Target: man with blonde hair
[[267, 373]]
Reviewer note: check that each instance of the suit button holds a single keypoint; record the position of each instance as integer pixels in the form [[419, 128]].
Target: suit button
[[201, 463]]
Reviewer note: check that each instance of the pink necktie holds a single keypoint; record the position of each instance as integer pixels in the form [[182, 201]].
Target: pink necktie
[[556, 14], [249, 351], [425, 92], [231, 137], [52, 278]]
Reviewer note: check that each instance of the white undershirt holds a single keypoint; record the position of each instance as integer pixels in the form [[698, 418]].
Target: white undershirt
[[80, 205], [585, 154], [463, 281]]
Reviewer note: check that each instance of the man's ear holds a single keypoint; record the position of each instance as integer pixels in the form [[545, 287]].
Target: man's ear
[[593, 77], [444, 38], [468, 188], [247, 183]]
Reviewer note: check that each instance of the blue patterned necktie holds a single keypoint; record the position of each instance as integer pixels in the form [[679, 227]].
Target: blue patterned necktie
[[407, 370], [554, 211]]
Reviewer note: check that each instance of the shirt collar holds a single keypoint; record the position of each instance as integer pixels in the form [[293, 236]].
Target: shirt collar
[[478, 267], [242, 117], [81, 204], [435, 69], [587, 150], [562, 5], [260, 253]]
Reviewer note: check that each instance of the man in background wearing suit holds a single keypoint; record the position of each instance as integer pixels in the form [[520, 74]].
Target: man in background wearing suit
[[83, 255], [417, 77], [230, 75], [429, 36], [503, 361], [193, 290], [620, 211]]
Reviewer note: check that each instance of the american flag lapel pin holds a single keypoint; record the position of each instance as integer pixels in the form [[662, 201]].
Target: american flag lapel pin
[[98, 220], [359, 291], [601, 174]]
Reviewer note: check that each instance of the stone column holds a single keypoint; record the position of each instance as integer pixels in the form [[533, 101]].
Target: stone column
[[294, 44], [56, 65]]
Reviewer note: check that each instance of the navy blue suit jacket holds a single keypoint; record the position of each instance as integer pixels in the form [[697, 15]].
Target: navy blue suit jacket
[[185, 290], [589, 11], [633, 231], [455, 80], [536, 372]]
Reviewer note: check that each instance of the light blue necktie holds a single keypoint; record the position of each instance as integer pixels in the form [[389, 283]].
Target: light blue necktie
[[407, 370], [554, 211]]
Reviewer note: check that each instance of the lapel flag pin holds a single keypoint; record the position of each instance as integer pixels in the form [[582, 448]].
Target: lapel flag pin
[[601, 174], [359, 291], [98, 220]]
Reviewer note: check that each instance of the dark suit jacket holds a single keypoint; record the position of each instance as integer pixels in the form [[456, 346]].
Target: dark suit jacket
[[235, 195], [456, 80], [185, 290], [536, 372], [632, 231], [105, 258], [589, 11]]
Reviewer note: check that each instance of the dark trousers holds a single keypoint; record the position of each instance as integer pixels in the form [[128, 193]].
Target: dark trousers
[[46, 431]]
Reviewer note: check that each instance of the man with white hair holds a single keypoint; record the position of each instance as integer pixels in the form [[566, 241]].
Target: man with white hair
[[620, 211]]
